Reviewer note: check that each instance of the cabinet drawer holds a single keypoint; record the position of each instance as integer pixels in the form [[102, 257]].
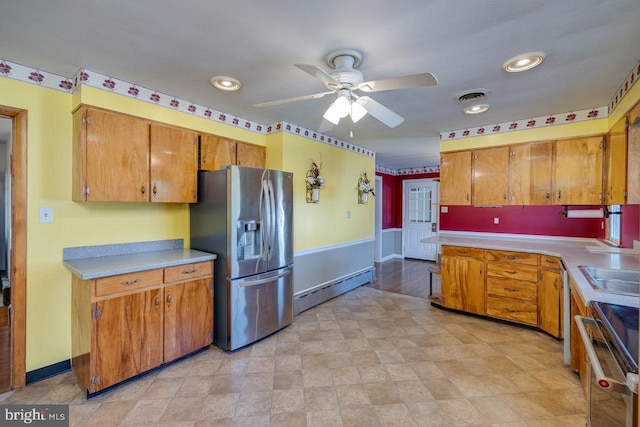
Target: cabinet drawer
[[127, 282], [515, 257], [511, 309], [509, 271], [188, 271], [552, 262], [463, 251], [501, 287]]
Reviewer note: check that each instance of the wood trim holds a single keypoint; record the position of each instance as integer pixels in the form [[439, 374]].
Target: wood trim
[[18, 256]]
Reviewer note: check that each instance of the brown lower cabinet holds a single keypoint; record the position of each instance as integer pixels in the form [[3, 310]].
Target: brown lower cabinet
[[125, 325], [519, 287]]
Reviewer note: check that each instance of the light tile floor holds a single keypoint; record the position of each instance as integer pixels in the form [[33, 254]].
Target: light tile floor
[[366, 358]]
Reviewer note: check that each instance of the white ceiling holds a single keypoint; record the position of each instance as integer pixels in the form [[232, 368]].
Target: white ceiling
[[177, 46]]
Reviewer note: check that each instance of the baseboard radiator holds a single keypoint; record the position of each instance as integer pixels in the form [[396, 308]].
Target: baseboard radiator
[[307, 300]]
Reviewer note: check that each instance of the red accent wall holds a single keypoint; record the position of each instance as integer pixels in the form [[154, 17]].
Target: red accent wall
[[535, 220], [629, 225]]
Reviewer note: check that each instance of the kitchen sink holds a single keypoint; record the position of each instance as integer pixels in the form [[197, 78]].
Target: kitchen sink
[[623, 282]]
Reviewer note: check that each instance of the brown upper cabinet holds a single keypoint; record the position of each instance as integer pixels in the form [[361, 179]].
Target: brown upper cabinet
[[578, 171], [540, 173], [633, 156], [455, 178], [216, 152], [491, 176], [616, 164], [530, 172], [121, 158]]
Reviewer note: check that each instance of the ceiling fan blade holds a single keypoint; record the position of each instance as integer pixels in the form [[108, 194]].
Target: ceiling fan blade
[[297, 98], [318, 73], [325, 126], [380, 112], [402, 82]]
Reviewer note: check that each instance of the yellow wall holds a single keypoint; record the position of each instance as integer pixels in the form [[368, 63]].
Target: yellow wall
[[326, 223], [49, 167]]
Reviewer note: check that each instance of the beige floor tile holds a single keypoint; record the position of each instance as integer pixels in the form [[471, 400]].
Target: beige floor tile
[[183, 409], [359, 417], [317, 377], [394, 414], [353, 395], [162, 388], [383, 393], [429, 414], [443, 388], [220, 406], [146, 412], [289, 400], [289, 419], [195, 386], [346, 375], [324, 419], [254, 404], [109, 413], [288, 379], [320, 399], [413, 391]]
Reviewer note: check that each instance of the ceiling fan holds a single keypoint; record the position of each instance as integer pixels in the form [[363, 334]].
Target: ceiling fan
[[344, 79]]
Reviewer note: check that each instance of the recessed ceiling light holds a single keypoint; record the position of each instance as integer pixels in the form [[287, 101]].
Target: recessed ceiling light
[[476, 109], [523, 62], [225, 83]]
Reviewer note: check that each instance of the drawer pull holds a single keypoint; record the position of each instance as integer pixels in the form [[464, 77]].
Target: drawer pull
[[508, 310], [511, 272], [511, 257], [510, 289], [129, 282], [190, 271], [461, 251]]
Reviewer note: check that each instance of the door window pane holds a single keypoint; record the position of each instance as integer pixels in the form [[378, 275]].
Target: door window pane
[[420, 204]]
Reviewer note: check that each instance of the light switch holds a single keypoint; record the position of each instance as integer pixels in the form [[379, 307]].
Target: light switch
[[348, 214], [444, 209], [45, 215]]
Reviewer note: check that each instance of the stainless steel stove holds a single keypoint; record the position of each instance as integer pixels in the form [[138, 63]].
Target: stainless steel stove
[[611, 341]]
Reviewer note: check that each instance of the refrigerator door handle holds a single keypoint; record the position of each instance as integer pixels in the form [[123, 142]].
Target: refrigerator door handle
[[265, 279], [272, 215], [265, 217]]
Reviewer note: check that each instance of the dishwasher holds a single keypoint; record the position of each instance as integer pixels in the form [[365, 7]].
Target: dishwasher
[[610, 337]]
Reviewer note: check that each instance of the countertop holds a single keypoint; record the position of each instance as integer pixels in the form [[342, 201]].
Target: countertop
[[94, 262], [573, 252]]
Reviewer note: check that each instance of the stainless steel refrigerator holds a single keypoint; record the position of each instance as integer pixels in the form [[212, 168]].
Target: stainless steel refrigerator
[[245, 216]]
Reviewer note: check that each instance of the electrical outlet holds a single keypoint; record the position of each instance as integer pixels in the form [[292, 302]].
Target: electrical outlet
[[45, 215], [348, 214], [496, 220], [444, 209]]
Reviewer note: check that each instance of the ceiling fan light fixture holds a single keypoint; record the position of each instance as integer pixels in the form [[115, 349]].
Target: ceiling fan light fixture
[[342, 106], [357, 112], [226, 83], [332, 115], [523, 62], [476, 109]]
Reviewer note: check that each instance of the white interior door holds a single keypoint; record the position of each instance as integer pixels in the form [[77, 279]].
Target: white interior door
[[420, 218]]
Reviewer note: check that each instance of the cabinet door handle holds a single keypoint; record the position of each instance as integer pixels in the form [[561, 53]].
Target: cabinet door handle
[[547, 195], [559, 194], [155, 190], [142, 189], [130, 282], [169, 299], [481, 270], [504, 196], [157, 305]]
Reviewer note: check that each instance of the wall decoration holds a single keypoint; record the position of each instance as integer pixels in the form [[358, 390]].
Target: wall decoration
[[364, 188], [314, 182]]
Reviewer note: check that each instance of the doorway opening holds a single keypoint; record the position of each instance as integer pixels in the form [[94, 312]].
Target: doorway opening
[[14, 175], [419, 218]]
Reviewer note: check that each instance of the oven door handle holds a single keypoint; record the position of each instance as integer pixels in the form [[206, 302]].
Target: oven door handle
[[603, 381]]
